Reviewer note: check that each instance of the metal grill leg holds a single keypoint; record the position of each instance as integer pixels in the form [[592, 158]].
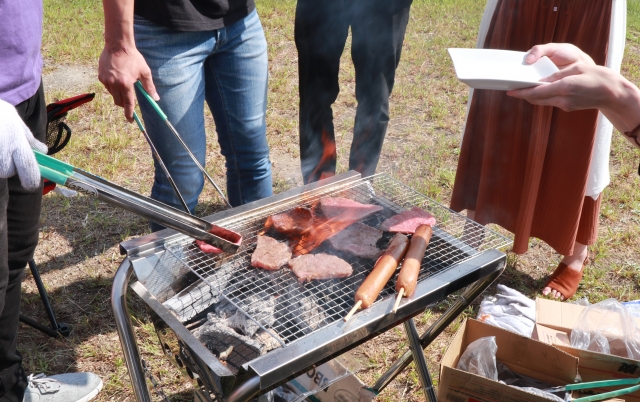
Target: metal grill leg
[[467, 297], [421, 362], [125, 331]]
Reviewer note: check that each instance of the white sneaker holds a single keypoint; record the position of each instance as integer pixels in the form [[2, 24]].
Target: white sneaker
[[71, 387]]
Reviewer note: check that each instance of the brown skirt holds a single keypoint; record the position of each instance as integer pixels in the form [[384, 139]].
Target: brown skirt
[[525, 167]]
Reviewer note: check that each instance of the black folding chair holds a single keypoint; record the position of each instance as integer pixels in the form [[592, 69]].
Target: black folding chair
[[58, 136]]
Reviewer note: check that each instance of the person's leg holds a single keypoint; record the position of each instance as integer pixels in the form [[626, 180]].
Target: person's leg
[[19, 224], [587, 235], [176, 61], [236, 92], [378, 28], [321, 29]]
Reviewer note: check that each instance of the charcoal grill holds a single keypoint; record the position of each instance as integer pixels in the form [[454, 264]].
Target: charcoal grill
[[304, 326]]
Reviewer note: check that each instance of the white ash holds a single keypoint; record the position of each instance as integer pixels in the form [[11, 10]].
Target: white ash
[[267, 340], [217, 336], [225, 309], [192, 300], [301, 308], [261, 309]]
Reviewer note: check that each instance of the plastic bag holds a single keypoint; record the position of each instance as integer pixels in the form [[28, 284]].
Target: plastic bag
[[633, 307], [607, 327], [480, 358], [544, 394], [509, 309], [525, 383]]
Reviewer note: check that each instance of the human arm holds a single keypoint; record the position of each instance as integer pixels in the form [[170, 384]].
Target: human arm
[[581, 84], [120, 64], [16, 148]]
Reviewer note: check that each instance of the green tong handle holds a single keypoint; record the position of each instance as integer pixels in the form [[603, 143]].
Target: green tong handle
[[602, 384], [53, 169], [151, 101], [607, 395]]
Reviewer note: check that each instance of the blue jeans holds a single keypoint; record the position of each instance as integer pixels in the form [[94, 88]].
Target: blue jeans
[[227, 68]]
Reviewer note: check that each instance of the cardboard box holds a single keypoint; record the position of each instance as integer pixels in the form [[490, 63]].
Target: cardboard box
[[554, 322], [593, 366], [550, 336], [329, 382], [560, 315], [313, 384], [521, 354], [557, 315]]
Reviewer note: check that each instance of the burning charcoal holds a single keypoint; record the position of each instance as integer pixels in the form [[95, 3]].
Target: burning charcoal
[[225, 309], [260, 308], [310, 312], [240, 322], [218, 337], [267, 340], [294, 305], [192, 300]]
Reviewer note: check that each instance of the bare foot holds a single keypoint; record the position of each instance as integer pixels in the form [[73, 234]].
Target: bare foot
[[573, 262]]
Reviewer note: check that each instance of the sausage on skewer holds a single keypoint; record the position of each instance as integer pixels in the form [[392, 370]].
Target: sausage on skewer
[[382, 272], [408, 276]]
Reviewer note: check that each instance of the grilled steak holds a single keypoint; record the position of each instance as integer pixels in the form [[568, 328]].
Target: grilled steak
[[270, 254], [293, 222], [320, 266], [358, 239], [408, 221], [344, 209]]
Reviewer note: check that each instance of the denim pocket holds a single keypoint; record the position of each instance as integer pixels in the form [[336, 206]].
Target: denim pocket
[[137, 20]]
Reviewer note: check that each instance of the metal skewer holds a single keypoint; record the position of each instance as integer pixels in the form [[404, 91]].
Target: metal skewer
[[160, 162], [156, 107]]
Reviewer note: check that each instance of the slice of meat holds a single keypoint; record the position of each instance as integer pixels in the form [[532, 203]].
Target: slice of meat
[[207, 248], [270, 254], [320, 266], [222, 233], [344, 209], [294, 222], [358, 239], [408, 221]]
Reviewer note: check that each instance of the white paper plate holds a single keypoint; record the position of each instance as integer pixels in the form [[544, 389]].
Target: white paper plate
[[501, 70]]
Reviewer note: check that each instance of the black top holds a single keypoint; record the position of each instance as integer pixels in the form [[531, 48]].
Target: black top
[[194, 15]]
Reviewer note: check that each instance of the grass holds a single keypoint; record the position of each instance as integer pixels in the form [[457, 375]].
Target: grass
[[78, 252]]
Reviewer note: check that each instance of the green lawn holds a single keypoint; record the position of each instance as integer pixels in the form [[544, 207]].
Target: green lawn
[[78, 252]]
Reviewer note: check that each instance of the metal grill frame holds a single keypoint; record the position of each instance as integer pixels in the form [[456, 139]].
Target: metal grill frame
[[234, 279], [335, 337]]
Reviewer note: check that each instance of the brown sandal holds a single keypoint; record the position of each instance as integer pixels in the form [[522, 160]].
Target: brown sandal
[[565, 280]]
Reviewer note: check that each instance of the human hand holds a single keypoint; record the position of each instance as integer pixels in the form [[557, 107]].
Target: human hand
[[16, 153], [576, 87], [118, 70], [563, 55]]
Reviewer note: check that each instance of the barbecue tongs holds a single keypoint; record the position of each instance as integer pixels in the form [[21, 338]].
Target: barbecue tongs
[[598, 384], [77, 179]]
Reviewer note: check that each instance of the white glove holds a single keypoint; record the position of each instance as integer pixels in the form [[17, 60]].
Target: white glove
[[16, 143]]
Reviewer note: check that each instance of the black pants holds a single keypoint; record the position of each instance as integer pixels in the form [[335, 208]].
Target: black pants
[[19, 223], [321, 29]]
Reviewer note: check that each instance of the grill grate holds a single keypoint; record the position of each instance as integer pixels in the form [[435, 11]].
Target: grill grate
[[302, 308]]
